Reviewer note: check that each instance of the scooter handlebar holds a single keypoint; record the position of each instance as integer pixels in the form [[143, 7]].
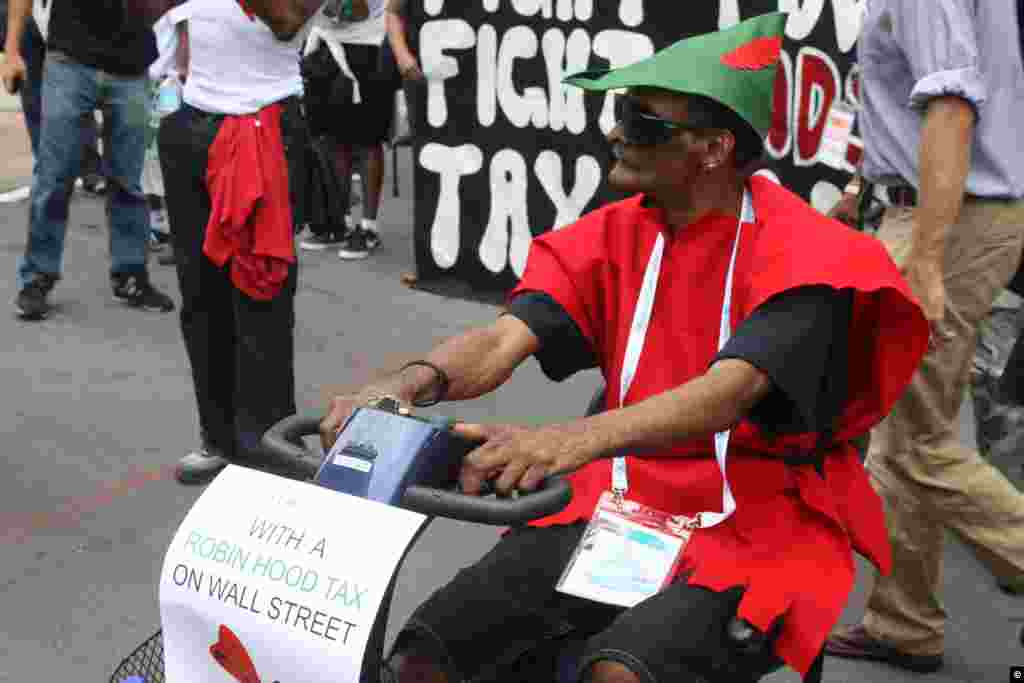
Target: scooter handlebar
[[553, 495], [282, 443]]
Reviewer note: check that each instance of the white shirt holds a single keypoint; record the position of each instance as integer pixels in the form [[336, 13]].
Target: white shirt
[[369, 31], [41, 14], [166, 31], [236, 65]]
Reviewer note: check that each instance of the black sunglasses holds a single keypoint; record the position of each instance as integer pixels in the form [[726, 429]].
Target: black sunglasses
[[643, 128]]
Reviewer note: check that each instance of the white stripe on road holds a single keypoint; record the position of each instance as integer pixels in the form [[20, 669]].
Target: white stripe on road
[[18, 195]]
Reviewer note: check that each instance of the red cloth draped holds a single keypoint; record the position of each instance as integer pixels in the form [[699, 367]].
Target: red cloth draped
[[250, 219]]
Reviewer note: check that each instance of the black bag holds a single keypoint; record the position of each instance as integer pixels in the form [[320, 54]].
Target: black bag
[[328, 90], [323, 209]]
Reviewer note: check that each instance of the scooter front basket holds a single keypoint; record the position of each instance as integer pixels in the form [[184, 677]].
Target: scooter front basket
[[144, 665]]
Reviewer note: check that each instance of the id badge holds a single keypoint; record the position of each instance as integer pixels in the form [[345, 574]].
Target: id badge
[[836, 135], [628, 553]]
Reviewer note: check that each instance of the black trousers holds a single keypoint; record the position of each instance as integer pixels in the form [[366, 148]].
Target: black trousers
[[241, 350]]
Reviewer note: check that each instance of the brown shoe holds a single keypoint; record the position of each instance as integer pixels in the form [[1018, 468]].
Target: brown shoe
[[853, 642]]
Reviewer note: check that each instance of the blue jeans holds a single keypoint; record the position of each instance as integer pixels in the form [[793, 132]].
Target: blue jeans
[[71, 90], [33, 51]]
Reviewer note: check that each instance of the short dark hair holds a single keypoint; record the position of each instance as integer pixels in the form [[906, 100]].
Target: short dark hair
[[712, 114]]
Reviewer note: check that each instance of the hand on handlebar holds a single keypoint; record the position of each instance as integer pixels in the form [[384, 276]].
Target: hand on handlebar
[[520, 458]]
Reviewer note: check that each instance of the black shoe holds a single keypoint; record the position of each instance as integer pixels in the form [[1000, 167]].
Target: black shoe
[[322, 240], [200, 466], [359, 244], [31, 302], [137, 291], [853, 642]]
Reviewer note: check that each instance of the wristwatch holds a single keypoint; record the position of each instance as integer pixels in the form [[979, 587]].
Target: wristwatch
[[388, 403]]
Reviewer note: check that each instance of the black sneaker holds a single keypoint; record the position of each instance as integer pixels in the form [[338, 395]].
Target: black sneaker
[[323, 240], [31, 302], [137, 291], [359, 244]]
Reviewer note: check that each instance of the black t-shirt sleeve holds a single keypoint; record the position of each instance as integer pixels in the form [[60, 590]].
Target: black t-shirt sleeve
[[564, 350], [799, 339]]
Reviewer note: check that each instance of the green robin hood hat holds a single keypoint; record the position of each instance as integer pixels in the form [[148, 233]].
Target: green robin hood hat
[[735, 67]]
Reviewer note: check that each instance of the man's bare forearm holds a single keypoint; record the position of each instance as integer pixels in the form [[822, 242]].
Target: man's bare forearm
[[711, 403], [18, 12], [182, 55], [475, 362], [945, 159], [396, 28]]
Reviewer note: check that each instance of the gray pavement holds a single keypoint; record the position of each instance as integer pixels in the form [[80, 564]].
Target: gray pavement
[[99, 407]]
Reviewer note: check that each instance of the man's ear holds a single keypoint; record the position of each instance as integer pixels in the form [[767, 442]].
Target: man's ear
[[720, 145]]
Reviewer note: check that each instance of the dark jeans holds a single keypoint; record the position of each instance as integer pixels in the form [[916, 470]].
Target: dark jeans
[[241, 350]]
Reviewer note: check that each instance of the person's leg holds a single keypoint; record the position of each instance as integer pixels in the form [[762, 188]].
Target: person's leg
[[366, 141], [328, 193], [126, 116], [94, 180], [207, 314], [998, 423], [373, 181], [69, 89], [360, 243], [33, 51], [264, 359], [380, 102], [679, 634], [343, 163], [919, 443], [495, 611]]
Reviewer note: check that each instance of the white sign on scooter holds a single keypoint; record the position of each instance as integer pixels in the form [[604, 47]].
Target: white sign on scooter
[[270, 579]]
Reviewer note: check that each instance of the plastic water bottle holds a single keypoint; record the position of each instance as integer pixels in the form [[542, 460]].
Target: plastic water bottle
[[168, 96]]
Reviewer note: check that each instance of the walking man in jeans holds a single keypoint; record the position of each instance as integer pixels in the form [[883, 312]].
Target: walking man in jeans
[[97, 55]]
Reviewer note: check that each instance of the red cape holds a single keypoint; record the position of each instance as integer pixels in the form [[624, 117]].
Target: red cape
[[790, 540]]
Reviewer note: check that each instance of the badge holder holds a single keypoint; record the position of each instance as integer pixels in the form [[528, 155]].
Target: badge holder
[[628, 552]]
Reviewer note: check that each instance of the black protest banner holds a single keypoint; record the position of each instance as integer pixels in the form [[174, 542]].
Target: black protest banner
[[506, 152]]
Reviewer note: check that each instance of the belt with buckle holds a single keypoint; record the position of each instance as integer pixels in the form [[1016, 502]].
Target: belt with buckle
[[905, 195]]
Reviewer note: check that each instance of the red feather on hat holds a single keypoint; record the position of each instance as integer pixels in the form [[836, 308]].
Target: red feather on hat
[[759, 53]]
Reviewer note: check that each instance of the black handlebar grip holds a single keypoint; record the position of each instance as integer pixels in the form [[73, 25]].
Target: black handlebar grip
[[553, 495], [282, 441]]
